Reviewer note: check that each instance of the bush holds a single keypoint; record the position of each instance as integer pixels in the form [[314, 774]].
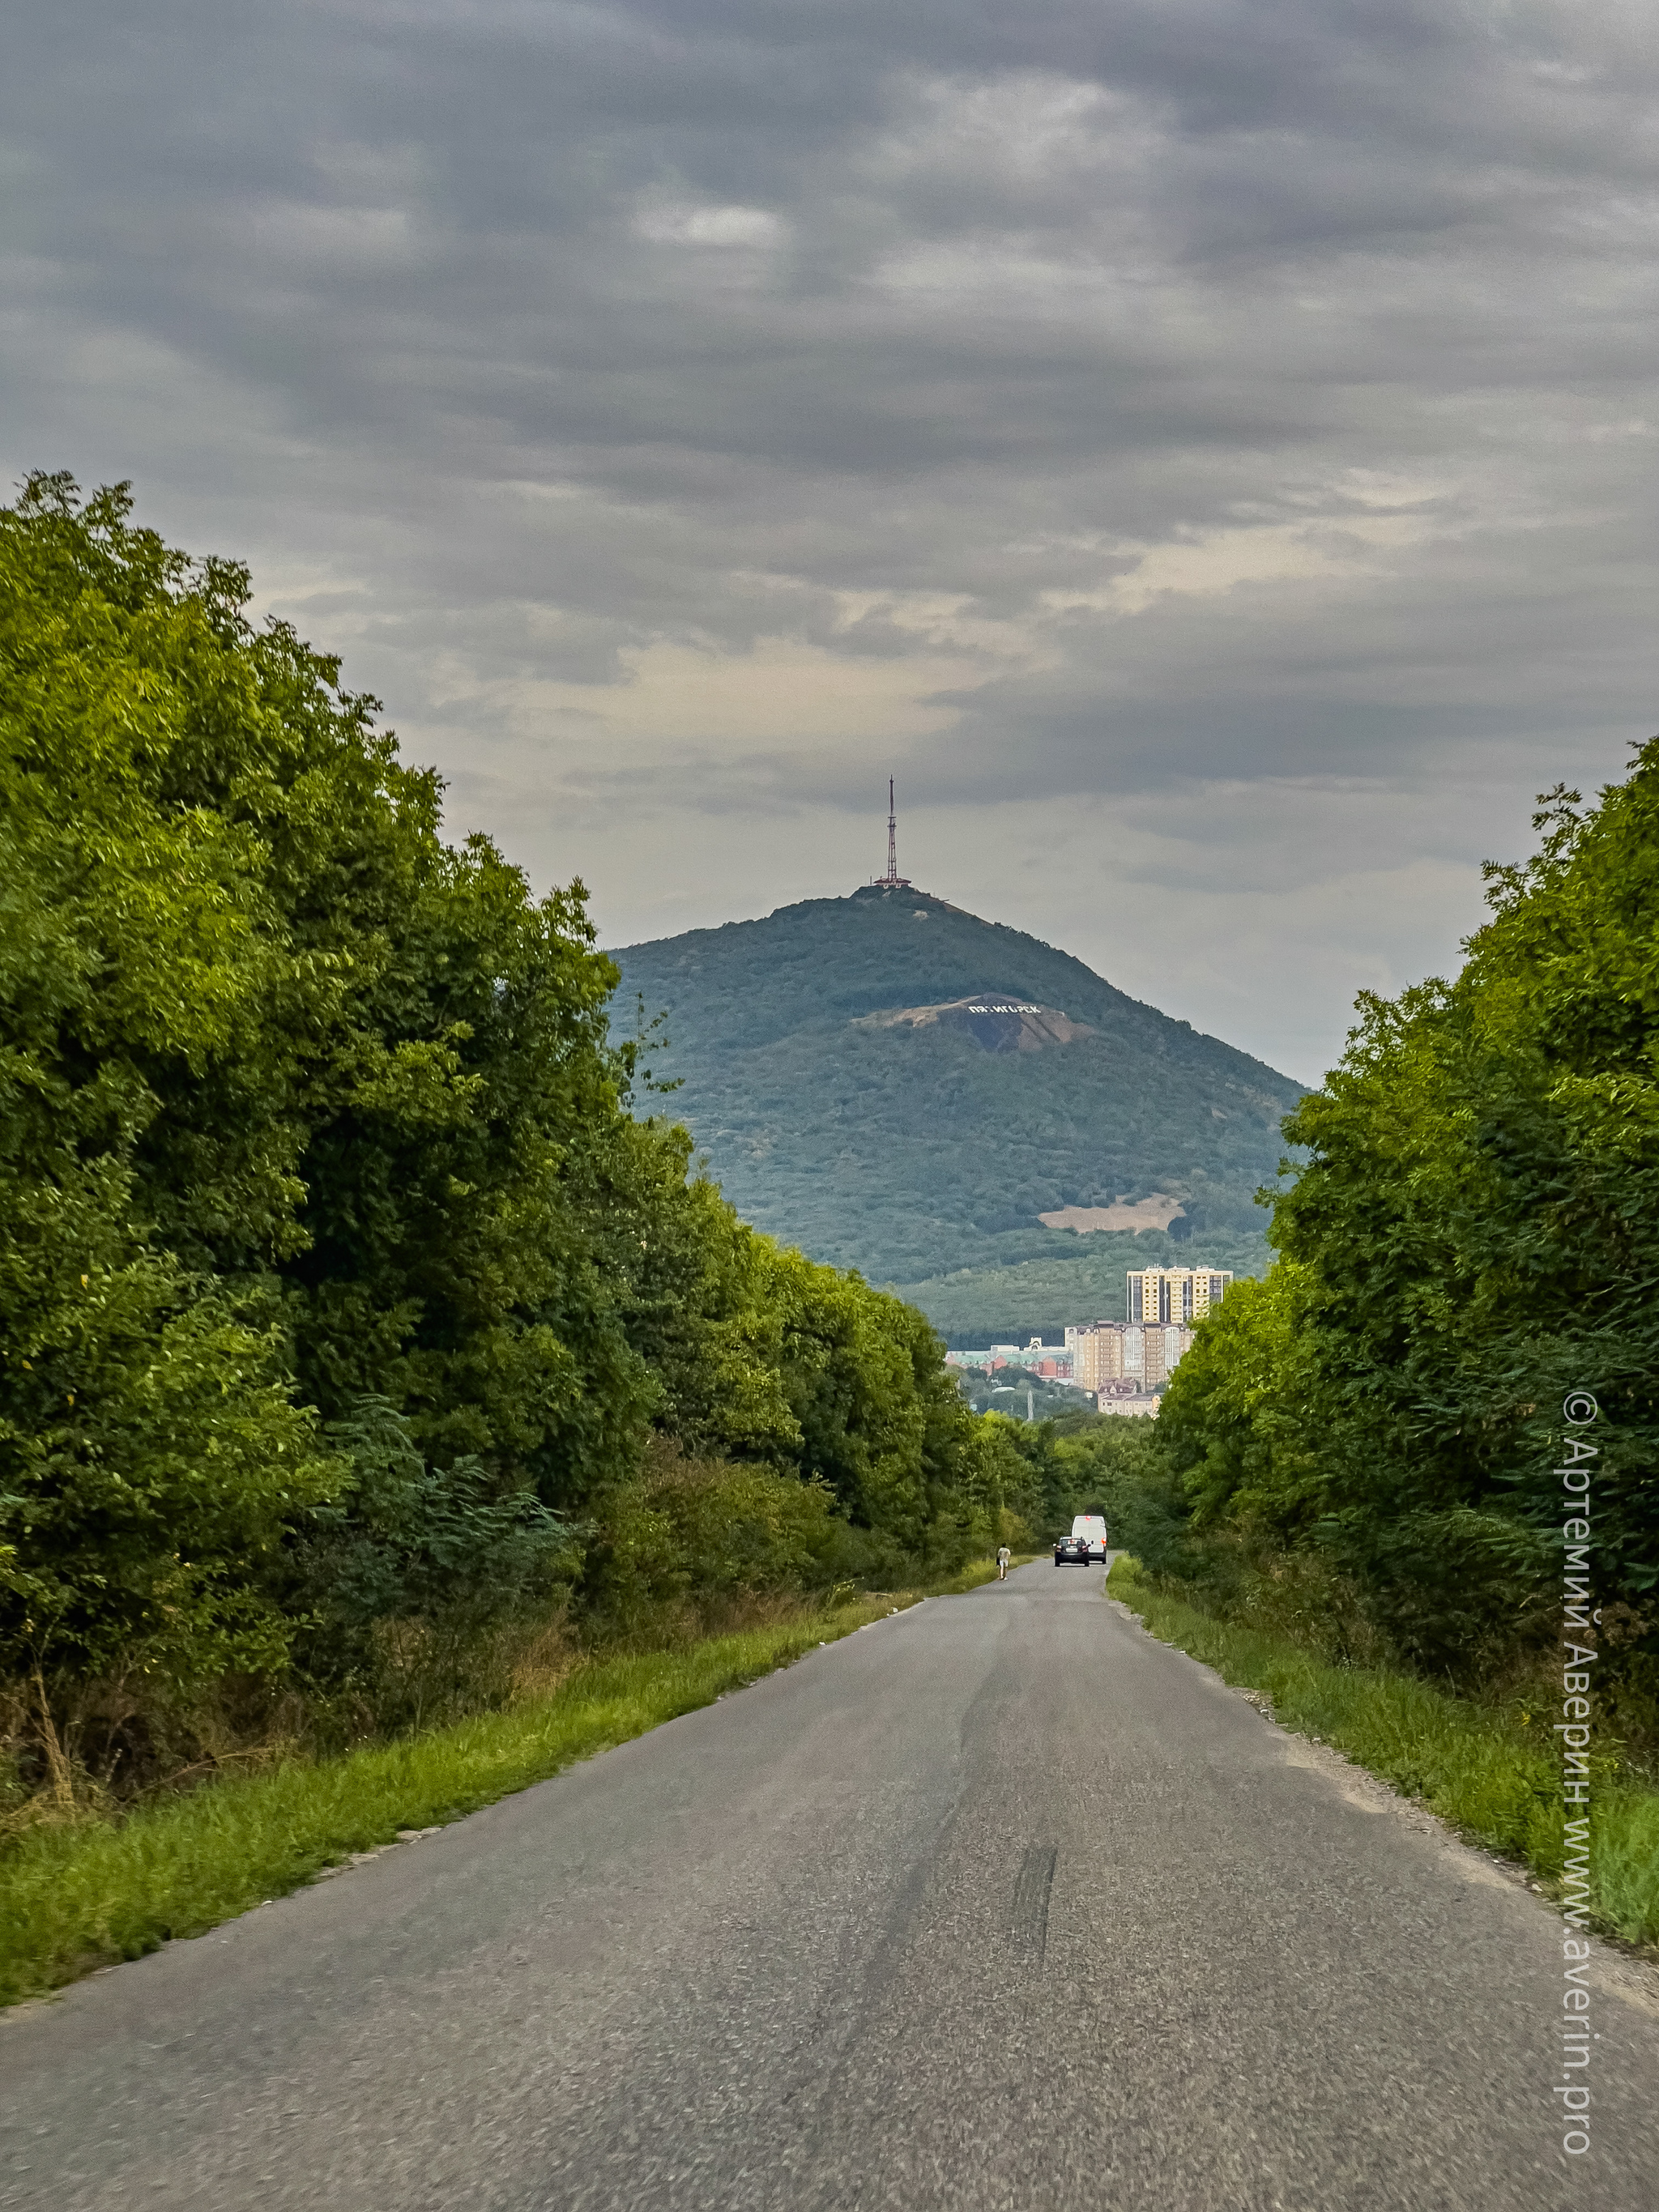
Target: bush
[[688, 1537]]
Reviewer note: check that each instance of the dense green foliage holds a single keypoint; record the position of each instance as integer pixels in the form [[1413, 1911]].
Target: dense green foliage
[[1050, 1470], [923, 1156], [1470, 1240], [342, 1288]]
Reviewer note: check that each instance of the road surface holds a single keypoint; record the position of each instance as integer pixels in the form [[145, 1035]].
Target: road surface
[[998, 1904]]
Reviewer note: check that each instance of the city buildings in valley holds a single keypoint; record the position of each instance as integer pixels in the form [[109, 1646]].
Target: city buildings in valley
[[1122, 1365], [1053, 1361]]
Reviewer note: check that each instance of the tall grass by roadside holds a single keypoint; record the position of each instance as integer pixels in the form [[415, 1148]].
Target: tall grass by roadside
[[1472, 1765], [82, 1895]]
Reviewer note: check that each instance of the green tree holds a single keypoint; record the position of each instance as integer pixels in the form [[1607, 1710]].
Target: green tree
[[1467, 1243], [284, 1074], [150, 1453]]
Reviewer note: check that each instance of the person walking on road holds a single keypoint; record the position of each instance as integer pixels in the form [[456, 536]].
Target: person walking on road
[[1004, 1555]]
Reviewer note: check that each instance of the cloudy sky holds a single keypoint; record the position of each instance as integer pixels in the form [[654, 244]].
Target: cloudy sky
[[1204, 449]]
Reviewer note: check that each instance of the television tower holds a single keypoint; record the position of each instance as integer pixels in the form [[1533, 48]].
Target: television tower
[[892, 881]]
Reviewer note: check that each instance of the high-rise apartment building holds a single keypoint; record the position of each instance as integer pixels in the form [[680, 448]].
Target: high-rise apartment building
[[1161, 1352], [1097, 1353], [1172, 1296], [1105, 1352]]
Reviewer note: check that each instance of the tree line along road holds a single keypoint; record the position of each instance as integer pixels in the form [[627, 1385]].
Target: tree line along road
[[998, 1904]]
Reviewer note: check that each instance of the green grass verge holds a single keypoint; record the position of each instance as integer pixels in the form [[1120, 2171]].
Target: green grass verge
[[1474, 1767], [77, 1897]]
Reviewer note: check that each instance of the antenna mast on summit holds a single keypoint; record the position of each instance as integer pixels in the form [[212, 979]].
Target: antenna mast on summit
[[892, 881]]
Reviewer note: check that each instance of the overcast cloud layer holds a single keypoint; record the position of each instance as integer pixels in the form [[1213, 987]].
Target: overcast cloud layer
[[1204, 448]]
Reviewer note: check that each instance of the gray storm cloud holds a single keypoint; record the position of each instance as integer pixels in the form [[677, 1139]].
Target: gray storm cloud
[[1205, 450]]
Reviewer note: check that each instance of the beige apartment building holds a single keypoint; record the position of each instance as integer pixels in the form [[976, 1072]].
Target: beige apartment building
[[1110, 1351], [1162, 1350], [1172, 1296], [1097, 1354]]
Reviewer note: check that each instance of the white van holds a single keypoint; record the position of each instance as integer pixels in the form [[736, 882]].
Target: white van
[[1092, 1529]]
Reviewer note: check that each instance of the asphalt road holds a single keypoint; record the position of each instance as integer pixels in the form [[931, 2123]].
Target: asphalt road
[[997, 1904]]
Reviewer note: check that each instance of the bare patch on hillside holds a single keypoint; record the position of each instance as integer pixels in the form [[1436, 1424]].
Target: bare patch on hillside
[[1157, 1211]]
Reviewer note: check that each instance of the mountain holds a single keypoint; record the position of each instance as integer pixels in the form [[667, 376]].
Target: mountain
[[955, 1108]]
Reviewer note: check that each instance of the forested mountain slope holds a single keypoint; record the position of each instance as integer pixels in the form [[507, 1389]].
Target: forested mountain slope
[[901, 1087]]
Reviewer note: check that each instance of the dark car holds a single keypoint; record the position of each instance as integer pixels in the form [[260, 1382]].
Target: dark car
[[1072, 1549]]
